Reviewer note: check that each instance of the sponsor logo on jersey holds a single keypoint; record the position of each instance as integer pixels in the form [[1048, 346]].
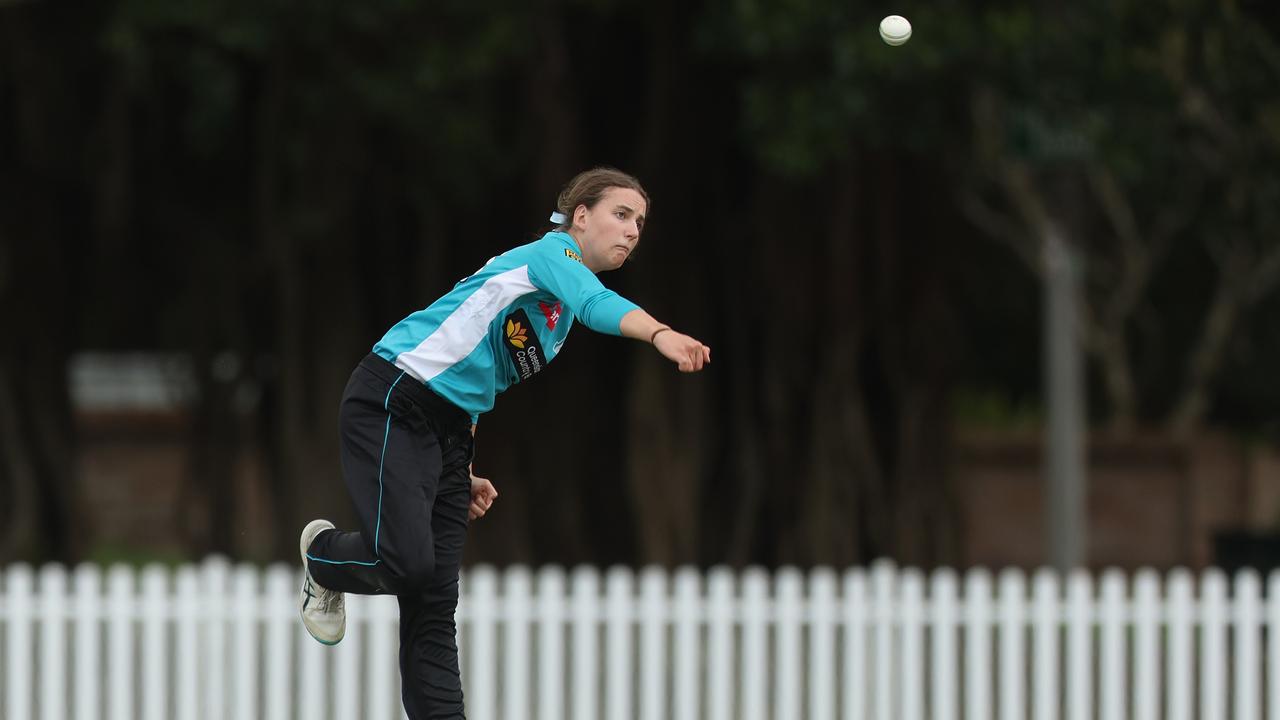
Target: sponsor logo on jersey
[[516, 333], [572, 255], [522, 345], [552, 312]]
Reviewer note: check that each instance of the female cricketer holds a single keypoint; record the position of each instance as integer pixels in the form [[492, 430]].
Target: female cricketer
[[408, 416]]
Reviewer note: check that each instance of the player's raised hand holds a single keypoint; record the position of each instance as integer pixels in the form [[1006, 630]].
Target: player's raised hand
[[686, 352]]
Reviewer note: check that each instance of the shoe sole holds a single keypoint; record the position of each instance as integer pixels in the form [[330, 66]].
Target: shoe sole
[[304, 542]]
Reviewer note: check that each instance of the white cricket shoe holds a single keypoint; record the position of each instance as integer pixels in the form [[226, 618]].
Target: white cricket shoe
[[324, 612]]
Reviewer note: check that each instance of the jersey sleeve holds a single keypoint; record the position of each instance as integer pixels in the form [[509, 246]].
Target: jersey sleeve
[[556, 270]]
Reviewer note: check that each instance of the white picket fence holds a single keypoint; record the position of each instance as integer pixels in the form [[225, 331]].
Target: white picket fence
[[215, 641]]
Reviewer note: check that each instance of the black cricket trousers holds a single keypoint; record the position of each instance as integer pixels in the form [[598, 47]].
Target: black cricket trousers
[[406, 455]]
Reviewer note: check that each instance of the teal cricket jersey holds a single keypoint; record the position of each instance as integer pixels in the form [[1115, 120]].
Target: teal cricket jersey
[[503, 324]]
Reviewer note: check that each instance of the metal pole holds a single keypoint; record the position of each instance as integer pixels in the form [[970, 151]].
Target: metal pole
[[1065, 428]]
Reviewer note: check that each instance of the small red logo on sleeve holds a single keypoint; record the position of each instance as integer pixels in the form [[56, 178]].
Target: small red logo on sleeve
[[552, 312]]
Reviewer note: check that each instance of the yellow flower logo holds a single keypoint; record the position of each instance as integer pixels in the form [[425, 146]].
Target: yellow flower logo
[[516, 334]]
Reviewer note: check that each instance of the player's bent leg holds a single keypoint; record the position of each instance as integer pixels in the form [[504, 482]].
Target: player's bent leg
[[391, 463]]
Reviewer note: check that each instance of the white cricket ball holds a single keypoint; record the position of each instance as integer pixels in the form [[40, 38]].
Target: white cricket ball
[[895, 30]]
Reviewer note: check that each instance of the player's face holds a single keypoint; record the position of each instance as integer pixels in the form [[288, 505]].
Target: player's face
[[611, 229]]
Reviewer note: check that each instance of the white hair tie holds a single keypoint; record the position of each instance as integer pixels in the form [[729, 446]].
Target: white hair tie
[[559, 218]]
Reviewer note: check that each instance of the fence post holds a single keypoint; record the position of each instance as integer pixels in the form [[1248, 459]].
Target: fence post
[[1013, 594], [1247, 631], [19, 588], [1180, 682], [88, 623], [653, 645], [187, 665], [883, 621], [52, 608], [213, 642], [755, 627], [1045, 644], [943, 603], [788, 594], [1273, 647], [619, 591], [282, 621], [120, 591], [551, 643], [688, 614], [1146, 614], [978, 668], [1213, 640], [1080, 605], [482, 597], [721, 618], [586, 643], [822, 640], [155, 661], [551, 600], [517, 589], [1112, 665], [244, 649], [911, 665], [854, 619]]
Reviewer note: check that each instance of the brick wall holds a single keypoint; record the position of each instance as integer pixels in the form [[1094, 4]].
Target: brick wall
[[1151, 501]]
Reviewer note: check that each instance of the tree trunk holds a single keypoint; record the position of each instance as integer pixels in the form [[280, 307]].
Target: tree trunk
[[285, 415], [666, 412], [549, 93], [843, 492], [1207, 354], [20, 515], [35, 295]]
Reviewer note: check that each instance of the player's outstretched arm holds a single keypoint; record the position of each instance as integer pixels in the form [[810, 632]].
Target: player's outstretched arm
[[686, 352]]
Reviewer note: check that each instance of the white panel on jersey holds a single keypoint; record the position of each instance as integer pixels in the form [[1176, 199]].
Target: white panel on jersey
[[467, 326]]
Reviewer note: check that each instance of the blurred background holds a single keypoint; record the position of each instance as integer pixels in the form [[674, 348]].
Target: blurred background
[[209, 212]]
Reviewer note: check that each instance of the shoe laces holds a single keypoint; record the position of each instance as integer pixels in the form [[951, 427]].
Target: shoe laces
[[329, 599], [324, 597]]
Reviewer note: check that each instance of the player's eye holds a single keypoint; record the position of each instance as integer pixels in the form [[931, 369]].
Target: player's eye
[[619, 214]]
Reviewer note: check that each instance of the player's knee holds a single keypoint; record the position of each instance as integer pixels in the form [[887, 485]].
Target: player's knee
[[414, 574]]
